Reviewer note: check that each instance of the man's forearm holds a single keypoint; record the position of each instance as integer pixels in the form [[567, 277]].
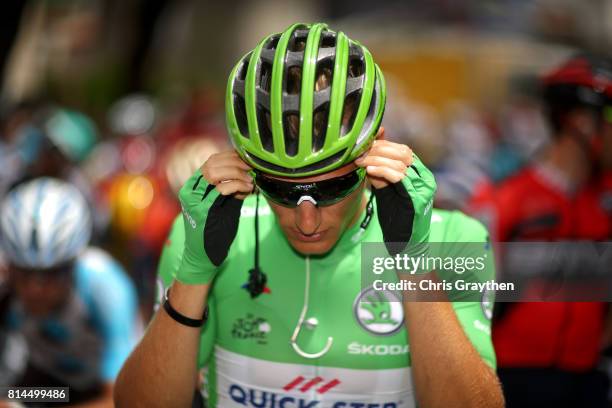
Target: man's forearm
[[162, 369], [447, 370]]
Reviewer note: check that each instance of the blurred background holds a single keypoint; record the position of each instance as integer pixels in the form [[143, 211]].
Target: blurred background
[[125, 98]]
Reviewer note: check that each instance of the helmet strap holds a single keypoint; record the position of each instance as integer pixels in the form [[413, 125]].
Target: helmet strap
[[257, 279]]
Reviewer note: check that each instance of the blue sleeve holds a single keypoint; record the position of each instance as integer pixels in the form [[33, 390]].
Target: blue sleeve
[[112, 300]]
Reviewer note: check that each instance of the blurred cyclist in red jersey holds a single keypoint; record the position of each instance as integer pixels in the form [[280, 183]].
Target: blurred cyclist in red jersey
[[547, 352]]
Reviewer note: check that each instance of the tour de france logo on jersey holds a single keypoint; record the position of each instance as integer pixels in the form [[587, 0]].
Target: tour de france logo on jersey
[[379, 312], [251, 327]]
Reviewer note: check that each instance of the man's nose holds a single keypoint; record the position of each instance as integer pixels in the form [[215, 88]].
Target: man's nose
[[307, 218]]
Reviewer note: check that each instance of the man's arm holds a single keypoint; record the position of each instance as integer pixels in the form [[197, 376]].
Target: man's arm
[[453, 359], [162, 370], [159, 371], [447, 369]]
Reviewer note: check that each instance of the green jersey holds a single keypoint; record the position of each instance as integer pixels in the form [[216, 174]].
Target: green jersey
[[245, 345]]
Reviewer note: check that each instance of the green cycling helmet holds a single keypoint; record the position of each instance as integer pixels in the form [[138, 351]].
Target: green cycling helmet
[[305, 101]]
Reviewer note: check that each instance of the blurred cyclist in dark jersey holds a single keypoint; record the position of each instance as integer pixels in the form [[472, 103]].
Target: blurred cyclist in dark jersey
[[556, 346]]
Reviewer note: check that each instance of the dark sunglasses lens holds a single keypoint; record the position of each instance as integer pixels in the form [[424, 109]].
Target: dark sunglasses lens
[[334, 190], [276, 191], [325, 192]]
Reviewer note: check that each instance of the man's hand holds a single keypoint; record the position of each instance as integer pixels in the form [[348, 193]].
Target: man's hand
[[404, 190], [229, 174], [385, 162], [211, 201]]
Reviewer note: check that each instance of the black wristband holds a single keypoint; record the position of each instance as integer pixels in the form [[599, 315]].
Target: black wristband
[[182, 319]]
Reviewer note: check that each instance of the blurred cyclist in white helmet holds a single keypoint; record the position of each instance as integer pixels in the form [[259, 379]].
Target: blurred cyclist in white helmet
[[72, 303]]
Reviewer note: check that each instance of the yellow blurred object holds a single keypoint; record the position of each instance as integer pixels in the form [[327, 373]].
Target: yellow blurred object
[[443, 66], [431, 77], [129, 199], [140, 193]]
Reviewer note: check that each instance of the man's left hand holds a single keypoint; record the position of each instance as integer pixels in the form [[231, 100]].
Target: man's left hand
[[404, 190], [385, 162]]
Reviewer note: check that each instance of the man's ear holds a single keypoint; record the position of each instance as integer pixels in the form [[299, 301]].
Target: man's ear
[[380, 135]]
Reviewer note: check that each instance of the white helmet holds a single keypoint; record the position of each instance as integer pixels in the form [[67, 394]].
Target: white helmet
[[44, 223]]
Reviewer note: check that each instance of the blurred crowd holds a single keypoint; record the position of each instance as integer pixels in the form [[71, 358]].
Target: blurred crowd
[[127, 146], [129, 177]]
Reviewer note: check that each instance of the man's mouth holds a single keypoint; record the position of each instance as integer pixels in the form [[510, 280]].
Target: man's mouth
[[317, 236]]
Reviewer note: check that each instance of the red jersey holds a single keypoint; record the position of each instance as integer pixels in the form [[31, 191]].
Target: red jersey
[[537, 204]]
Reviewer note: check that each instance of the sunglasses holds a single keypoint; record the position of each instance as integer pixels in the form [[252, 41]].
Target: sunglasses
[[55, 274], [321, 193]]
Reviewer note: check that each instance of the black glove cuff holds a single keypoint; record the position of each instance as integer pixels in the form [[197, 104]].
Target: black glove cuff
[[395, 215]]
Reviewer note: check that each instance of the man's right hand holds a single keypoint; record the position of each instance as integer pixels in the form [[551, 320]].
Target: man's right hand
[[211, 201]]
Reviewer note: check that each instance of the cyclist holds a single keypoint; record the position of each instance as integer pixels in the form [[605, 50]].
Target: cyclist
[[302, 109], [73, 304], [556, 344]]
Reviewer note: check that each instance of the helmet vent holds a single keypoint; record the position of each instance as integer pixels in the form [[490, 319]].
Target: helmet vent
[[349, 112], [265, 128], [240, 113], [265, 76], [356, 68], [324, 75], [273, 42], [319, 127], [369, 122], [242, 72], [294, 80], [291, 126], [328, 40], [297, 43], [34, 240]]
